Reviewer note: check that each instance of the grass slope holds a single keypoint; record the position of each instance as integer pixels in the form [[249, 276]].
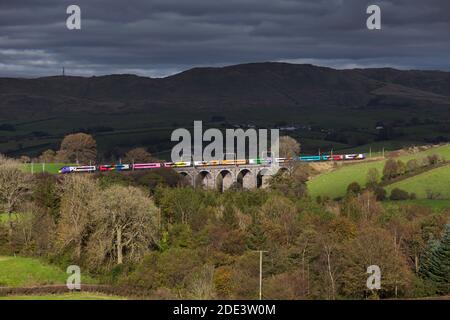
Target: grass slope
[[40, 167], [334, 184], [28, 272], [437, 181]]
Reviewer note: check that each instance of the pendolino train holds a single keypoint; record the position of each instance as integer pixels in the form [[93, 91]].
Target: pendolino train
[[183, 164]]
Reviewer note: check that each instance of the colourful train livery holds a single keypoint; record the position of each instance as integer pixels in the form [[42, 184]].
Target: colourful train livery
[[183, 164]]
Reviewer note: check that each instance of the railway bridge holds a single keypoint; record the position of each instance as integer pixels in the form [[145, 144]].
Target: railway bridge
[[223, 177]]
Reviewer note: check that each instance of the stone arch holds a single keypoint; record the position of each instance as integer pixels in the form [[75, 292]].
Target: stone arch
[[187, 177], [204, 179], [283, 170], [246, 179], [224, 180], [262, 178]]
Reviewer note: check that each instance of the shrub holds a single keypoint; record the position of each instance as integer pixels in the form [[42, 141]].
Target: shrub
[[433, 159], [399, 194], [354, 188], [401, 167], [390, 169], [432, 195], [412, 165], [380, 193], [372, 178]]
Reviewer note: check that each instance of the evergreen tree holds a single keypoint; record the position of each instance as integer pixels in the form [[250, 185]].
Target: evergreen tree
[[436, 262], [256, 239]]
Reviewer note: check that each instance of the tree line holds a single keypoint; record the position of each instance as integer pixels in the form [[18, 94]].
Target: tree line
[[150, 234]]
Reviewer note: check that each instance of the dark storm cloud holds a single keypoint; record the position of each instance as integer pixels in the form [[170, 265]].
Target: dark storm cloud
[[160, 37]]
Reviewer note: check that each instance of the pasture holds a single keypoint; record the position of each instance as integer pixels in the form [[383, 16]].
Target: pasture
[[43, 167], [27, 272], [334, 183], [436, 182]]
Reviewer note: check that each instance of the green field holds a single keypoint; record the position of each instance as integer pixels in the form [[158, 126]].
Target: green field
[[66, 296], [334, 184], [27, 272], [19, 272], [436, 180], [43, 167]]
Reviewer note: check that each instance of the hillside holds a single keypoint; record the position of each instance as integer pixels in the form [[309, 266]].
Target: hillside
[[436, 182], [332, 108], [334, 183], [21, 272]]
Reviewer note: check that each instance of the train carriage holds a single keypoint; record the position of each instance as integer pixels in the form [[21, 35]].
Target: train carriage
[[114, 167], [183, 164], [140, 166], [70, 169]]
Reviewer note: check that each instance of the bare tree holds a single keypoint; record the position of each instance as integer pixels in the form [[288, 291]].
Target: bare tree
[[289, 147], [125, 224], [47, 156], [372, 177], [138, 155], [201, 284], [14, 185], [76, 215]]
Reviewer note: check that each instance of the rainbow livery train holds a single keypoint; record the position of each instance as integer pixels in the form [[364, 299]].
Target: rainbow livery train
[[182, 164]]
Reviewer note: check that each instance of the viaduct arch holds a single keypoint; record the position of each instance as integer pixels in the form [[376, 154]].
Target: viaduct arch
[[222, 178]]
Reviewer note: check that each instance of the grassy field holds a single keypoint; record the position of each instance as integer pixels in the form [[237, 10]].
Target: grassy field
[[334, 184], [66, 296], [25, 272], [43, 167], [436, 181]]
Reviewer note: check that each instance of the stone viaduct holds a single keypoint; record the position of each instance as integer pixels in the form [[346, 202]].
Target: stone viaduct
[[223, 177]]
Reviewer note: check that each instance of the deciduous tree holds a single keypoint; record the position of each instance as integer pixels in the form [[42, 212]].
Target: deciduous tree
[[372, 178], [76, 213], [289, 147], [79, 148], [138, 155], [14, 185], [390, 169], [373, 246], [125, 225]]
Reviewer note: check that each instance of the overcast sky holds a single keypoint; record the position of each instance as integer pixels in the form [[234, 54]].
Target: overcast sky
[[161, 37]]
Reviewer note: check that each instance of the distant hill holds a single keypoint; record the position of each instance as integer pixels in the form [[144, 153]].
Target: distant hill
[[344, 104]]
